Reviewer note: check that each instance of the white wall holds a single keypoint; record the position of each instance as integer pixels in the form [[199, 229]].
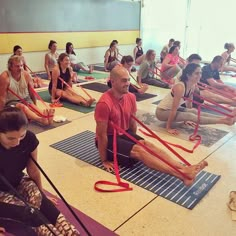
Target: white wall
[[204, 28], [162, 20], [35, 60], [211, 25]]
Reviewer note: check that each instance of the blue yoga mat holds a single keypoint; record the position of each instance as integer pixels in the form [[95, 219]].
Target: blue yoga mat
[[82, 147]]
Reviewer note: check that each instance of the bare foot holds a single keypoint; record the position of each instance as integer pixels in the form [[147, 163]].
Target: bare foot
[[90, 69], [51, 113], [228, 120], [44, 120], [192, 171], [90, 102], [143, 88]]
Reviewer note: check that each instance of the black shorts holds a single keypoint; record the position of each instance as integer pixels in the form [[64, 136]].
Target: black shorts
[[124, 147]]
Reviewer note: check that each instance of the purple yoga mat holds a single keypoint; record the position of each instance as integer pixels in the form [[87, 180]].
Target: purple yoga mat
[[93, 227]]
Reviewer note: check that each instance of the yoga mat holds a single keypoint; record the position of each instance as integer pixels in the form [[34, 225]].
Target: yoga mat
[[98, 87], [103, 88], [141, 97], [94, 75], [99, 67], [231, 84], [37, 128], [209, 135], [46, 97], [82, 146], [93, 226], [18, 229], [206, 109]]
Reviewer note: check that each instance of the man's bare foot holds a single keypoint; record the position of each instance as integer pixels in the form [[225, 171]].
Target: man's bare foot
[[91, 69], [44, 119], [143, 88], [51, 113], [192, 171]]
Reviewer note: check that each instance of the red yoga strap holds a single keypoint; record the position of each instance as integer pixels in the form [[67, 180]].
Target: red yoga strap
[[29, 105], [124, 186]]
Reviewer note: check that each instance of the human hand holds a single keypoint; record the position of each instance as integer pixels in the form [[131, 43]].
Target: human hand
[[190, 123], [108, 165], [173, 131]]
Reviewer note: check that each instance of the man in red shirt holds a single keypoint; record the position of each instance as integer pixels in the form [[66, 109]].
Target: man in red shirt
[[117, 105]]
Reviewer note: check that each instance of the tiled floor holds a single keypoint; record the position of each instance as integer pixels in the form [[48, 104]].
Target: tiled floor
[[140, 212]]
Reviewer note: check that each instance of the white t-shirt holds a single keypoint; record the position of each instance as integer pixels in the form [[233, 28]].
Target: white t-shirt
[[73, 58]]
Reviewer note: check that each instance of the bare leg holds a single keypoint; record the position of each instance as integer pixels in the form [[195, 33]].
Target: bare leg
[[170, 73], [143, 89], [153, 162], [140, 59], [229, 68], [74, 98], [33, 116], [217, 98]]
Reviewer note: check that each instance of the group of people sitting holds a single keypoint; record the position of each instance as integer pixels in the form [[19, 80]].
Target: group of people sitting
[[116, 108]]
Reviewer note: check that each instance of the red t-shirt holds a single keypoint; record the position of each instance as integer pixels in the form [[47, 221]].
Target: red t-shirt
[[119, 112]]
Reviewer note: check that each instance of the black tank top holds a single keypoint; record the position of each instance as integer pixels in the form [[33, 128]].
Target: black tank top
[[111, 58], [65, 76], [186, 95], [139, 52]]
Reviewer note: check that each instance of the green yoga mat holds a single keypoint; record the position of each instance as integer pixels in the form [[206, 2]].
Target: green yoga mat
[[94, 74], [46, 97]]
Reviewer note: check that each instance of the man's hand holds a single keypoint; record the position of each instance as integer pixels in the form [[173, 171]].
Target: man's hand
[[109, 166]]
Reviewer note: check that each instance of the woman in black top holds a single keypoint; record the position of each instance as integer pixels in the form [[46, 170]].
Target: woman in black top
[[138, 52], [57, 89], [17, 149]]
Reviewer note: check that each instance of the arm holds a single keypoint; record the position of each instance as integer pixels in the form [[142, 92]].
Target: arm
[[4, 84], [33, 170], [178, 91], [188, 103], [106, 59], [46, 62], [143, 67], [166, 62], [71, 76], [101, 131], [30, 84], [219, 84], [55, 75], [135, 51], [133, 125]]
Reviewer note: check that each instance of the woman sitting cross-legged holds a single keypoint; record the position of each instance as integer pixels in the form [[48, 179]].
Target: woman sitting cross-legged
[[18, 153], [59, 90], [170, 110]]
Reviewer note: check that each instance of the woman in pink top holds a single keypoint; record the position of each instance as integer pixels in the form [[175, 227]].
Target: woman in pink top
[[170, 66], [227, 57]]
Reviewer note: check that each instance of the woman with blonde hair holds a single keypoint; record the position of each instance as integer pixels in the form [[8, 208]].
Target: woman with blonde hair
[[146, 72]]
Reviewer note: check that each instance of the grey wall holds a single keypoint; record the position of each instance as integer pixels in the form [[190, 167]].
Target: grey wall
[[68, 15]]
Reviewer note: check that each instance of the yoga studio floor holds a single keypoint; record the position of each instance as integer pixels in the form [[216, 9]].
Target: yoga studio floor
[[140, 212]]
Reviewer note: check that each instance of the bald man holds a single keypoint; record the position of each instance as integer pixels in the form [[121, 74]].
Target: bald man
[[117, 105]]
